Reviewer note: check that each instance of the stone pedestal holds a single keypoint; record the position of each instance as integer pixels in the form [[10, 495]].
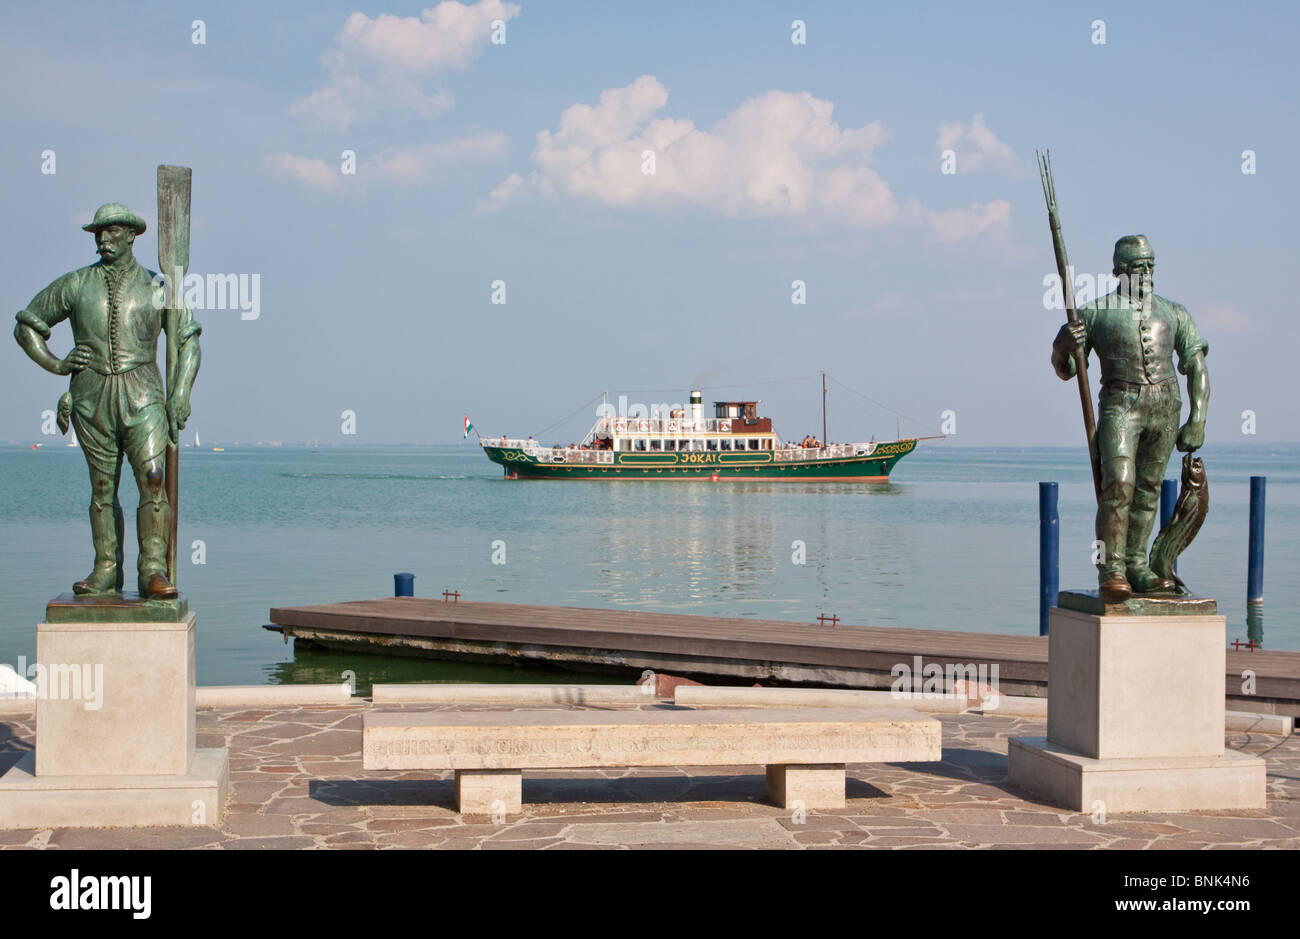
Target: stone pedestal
[[115, 726], [119, 699], [1135, 717]]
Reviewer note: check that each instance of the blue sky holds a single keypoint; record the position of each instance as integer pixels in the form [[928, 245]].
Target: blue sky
[[775, 162]]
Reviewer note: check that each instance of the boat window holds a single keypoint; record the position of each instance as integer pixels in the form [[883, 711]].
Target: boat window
[[654, 444], [640, 444], [753, 443], [711, 443], [726, 444]]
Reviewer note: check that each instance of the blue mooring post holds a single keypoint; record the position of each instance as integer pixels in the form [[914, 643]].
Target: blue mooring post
[[403, 585], [1168, 499], [1049, 553], [1255, 570]]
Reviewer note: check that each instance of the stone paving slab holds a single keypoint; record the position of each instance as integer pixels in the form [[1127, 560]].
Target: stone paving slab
[[297, 782]]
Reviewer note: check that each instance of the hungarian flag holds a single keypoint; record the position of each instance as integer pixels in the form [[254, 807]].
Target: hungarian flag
[[468, 426]]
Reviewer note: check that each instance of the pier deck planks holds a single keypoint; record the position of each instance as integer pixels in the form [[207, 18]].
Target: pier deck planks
[[1020, 658]]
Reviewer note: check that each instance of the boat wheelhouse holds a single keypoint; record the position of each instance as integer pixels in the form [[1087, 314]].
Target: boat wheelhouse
[[734, 444]]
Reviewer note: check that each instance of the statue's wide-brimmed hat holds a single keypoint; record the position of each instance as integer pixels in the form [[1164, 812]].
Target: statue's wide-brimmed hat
[[1132, 247], [115, 213]]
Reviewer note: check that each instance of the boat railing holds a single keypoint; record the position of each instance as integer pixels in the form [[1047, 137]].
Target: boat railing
[[668, 426], [570, 455], [551, 454], [837, 451]]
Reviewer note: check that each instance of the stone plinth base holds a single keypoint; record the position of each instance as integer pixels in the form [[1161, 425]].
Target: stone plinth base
[[816, 785], [1136, 686], [118, 698], [116, 801], [1147, 784], [1135, 718], [115, 723]]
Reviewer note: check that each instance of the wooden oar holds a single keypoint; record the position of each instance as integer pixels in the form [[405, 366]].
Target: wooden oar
[[173, 262]]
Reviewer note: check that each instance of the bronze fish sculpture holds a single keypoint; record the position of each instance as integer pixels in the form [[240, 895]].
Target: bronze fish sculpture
[[1189, 513]]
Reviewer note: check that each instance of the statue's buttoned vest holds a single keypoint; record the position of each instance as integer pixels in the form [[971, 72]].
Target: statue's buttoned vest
[[119, 317], [1135, 344]]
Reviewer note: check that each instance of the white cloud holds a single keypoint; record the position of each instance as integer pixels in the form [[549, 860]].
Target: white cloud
[[500, 194], [776, 154], [978, 148], [425, 162], [307, 170], [956, 224], [392, 63], [422, 163], [779, 153]]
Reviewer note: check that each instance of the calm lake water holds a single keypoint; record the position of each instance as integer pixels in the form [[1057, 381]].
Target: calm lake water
[[952, 543]]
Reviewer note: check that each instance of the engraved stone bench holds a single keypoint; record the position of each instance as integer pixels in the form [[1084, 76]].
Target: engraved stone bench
[[804, 749]]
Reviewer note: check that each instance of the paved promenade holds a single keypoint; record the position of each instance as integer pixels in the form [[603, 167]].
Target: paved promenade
[[297, 782]]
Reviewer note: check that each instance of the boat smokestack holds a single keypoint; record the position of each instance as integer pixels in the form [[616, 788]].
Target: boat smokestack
[[696, 406]]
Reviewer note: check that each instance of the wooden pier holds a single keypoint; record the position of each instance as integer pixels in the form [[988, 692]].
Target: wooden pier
[[715, 649]]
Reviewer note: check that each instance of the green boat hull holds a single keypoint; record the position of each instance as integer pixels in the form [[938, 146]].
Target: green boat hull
[[710, 466]]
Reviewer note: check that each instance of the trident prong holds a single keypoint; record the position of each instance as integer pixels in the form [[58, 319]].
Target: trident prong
[[1045, 174]]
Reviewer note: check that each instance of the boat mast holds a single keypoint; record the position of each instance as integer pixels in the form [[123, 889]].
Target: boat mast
[[823, 409]]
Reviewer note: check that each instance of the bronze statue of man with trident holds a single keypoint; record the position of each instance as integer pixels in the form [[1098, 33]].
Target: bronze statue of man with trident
[[118, 405], [1135, 334]]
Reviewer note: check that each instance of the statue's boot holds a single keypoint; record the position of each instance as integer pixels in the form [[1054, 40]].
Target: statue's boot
[[106, 575], [1145, 580], [1141, 519], [153, 525], [1114, 588]]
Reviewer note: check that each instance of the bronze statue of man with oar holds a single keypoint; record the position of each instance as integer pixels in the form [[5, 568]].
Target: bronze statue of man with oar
[[118, 404], [1136, 334]]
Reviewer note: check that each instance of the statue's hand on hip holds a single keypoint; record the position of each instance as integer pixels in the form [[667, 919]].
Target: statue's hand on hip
[[1191, 436], [76, 360]]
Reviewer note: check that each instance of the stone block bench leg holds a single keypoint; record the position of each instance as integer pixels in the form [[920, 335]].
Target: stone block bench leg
[[489, 791], [816, 785]]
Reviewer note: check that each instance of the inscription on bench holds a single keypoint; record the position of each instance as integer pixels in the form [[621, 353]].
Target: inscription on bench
[[416, 745]]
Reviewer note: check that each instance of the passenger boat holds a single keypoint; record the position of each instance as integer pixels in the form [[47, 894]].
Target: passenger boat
[[734, 444]]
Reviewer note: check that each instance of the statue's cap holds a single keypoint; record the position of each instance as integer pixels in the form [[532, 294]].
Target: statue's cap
[[115, 213], [1132, 247]]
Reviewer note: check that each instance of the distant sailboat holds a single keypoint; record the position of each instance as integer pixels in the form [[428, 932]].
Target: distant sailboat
[[196, 440], [72, 432]]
